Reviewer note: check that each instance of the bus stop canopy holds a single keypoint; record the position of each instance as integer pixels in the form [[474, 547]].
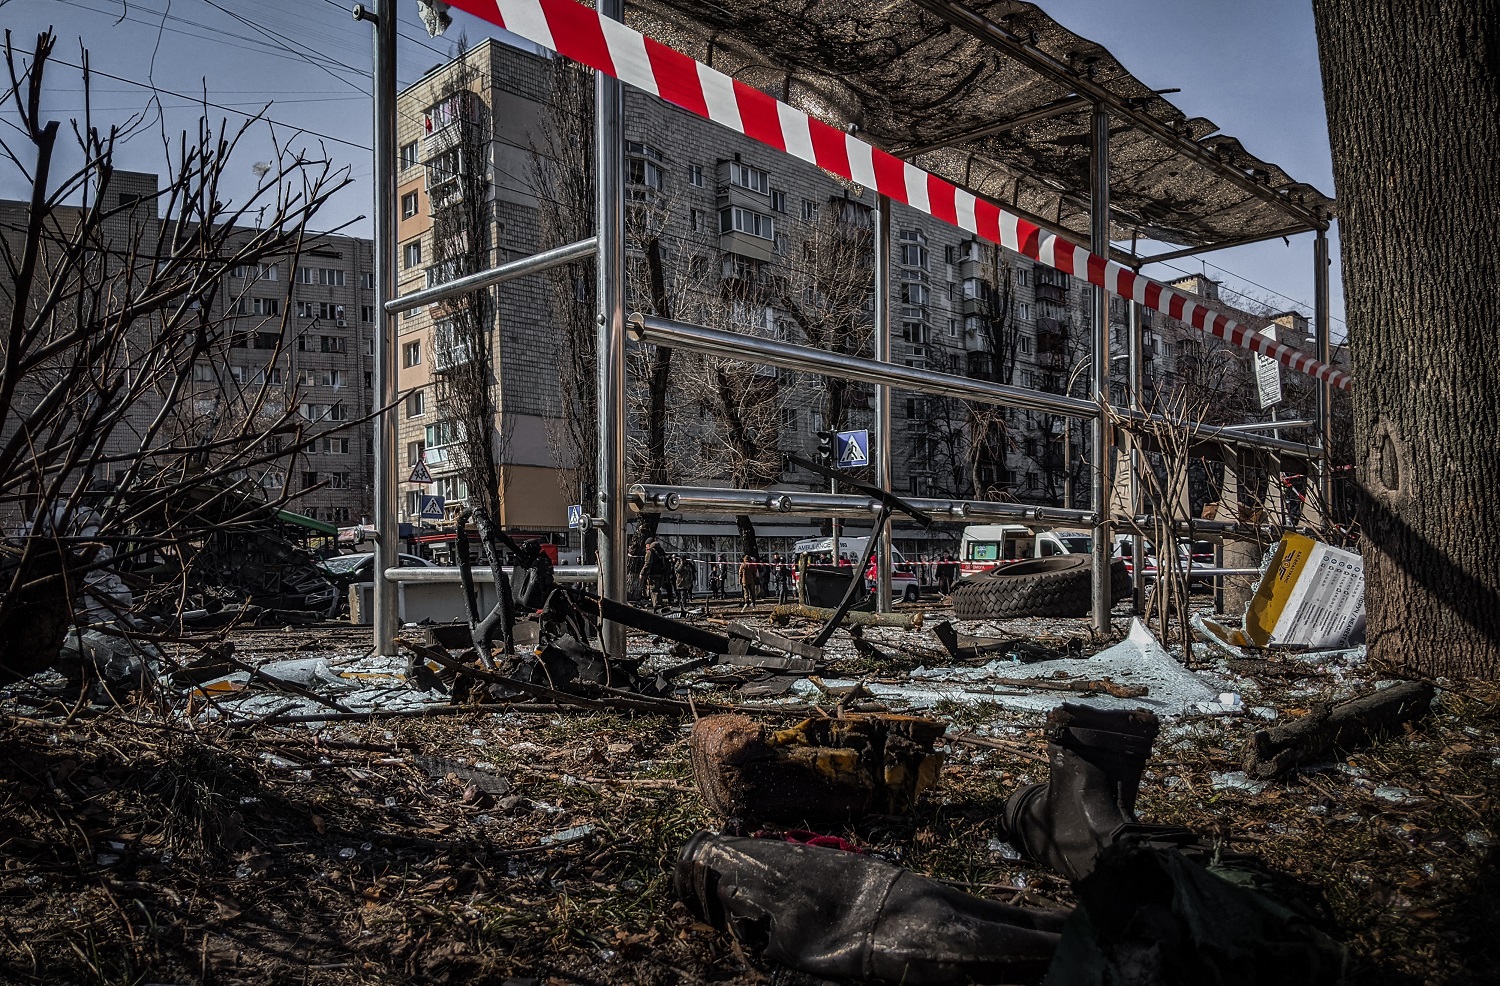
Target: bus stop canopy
[[996, 97]]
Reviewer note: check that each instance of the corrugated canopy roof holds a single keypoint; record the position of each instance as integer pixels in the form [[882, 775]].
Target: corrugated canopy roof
[[996, 97]]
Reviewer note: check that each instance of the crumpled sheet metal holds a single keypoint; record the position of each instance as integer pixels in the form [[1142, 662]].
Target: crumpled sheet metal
[[905, 78]]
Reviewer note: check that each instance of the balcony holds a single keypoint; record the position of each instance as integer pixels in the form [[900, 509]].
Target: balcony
[[1051, 336], [449, 358], [981, 366], [1051, 360], [1051, 292]]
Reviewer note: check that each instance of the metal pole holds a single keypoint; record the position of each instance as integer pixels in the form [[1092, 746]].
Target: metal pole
[[1135, 368], [534, 264], [609, 186], [387, 525], [1100, 428], [881, 446], [805, 359], [1324, 413]]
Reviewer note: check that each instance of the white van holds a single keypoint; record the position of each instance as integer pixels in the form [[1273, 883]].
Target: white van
[[983, 546], [904, 584]]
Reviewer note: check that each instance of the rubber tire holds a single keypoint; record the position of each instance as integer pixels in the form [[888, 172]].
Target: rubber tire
[[912, 594], [1058, 586]]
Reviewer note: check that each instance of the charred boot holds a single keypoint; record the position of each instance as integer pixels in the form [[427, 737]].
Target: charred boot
[[845, 916], [1088, 803]]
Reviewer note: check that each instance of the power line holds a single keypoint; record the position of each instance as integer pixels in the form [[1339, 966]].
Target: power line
[[218, 106]]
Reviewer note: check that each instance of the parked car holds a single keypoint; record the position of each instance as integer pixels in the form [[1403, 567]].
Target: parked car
[[346, 570]]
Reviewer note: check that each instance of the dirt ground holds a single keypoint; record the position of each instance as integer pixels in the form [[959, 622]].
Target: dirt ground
[[536, 847]]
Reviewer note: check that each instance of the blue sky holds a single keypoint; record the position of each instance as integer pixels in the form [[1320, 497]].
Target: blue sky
[[1252, 68]]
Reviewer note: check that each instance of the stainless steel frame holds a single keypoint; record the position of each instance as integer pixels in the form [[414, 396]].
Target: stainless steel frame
[[387, 523], [609, 164]]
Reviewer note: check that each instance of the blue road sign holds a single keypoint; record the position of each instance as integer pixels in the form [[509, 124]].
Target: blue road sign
[[419, 473], [432, 507], [853, 449], [576, 519]]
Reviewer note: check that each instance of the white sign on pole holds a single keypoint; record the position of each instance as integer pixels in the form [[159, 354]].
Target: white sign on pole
[[1268, 378], [577, 520]]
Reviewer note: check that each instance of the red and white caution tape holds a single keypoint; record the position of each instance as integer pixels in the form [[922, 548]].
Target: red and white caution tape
[[581, 34]]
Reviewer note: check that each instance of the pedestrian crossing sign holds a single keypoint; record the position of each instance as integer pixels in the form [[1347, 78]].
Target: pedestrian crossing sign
[[854, 449]]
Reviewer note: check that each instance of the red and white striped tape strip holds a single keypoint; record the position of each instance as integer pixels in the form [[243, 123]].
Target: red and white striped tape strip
[[581, 34]]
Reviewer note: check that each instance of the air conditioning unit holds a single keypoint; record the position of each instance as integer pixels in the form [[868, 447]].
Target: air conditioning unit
[[341, 323]]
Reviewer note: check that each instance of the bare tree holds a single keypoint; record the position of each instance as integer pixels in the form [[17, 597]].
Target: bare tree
[[562, 174], [115, 445], [463, 340]]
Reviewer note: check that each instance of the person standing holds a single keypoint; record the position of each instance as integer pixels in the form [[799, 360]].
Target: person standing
[[945, 574], [654, 572], [749, 583], [718, 572], [783, 577], [803, 560], [685, 573]]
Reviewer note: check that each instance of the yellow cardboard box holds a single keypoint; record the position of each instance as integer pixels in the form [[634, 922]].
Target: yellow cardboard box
[[1312, 595]]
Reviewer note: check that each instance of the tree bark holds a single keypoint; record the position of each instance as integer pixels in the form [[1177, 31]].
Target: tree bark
[[1413, 98]]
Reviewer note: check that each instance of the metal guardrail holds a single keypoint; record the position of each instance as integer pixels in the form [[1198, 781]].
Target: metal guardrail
[[801, 503], [441, 575]]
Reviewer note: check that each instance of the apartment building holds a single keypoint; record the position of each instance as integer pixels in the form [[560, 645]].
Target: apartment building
[[296, 333], [736, 223]]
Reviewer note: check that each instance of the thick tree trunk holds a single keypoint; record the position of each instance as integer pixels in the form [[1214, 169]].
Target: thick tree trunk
[[1413, 95]]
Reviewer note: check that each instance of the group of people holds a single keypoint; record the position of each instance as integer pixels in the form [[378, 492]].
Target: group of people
[[667, 579], [943, 571]]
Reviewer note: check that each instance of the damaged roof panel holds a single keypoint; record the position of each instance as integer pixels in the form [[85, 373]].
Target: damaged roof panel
[[996, 98]]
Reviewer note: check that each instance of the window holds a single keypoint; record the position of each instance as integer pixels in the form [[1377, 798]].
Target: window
[[738, 220], [309, 480], [409, 155], [331, 344], [336, 446], [273, 376], [413, 453], [411, 254], [789, 418], [367, 313], [414, 404], [453, 488], [367, 281], [747, 177], [913, 255], [331, 378], [699, 220], [463, 104], [809, 210], [331, 276], [1023, 277], [915, 294], [1024, 343], [369, 380], [266, 306], [238, 270], [643, 166], [270, 272], [695, 175], [408, 205], [411, 353], [338, 480], [202, 373], [340, 515], [952, 328], [778, 200], [1023, 311]]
